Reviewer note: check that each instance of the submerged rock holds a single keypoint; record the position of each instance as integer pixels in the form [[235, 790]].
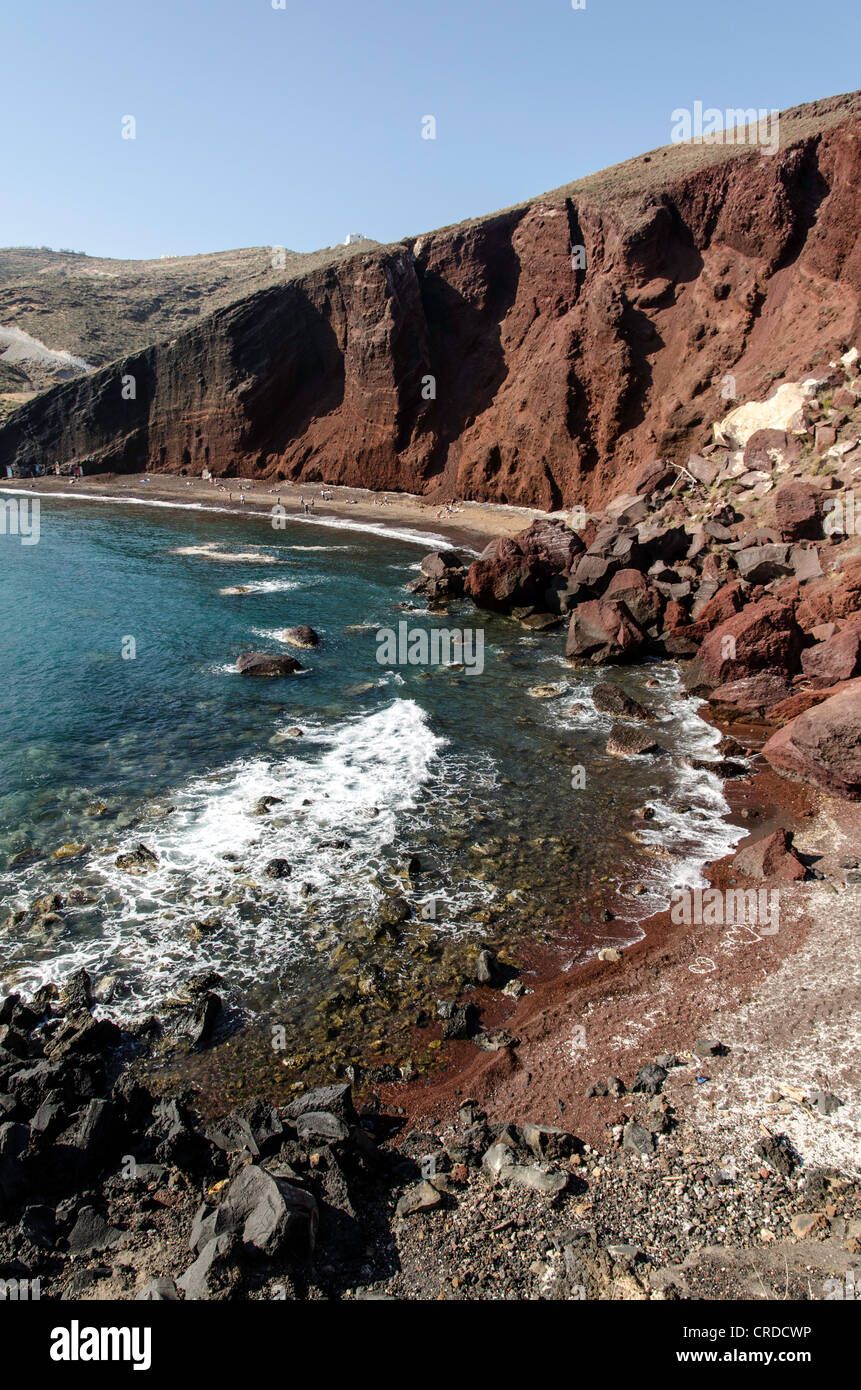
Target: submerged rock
[[625, 742], [72, 850], [612, 699], [302, 636], [140, 860]]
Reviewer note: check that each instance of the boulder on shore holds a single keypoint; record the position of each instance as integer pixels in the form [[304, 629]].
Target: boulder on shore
[[642, 601], [772, 856], [836, 659], [516, 571], [763, 636], [823, 745], [757, 692], [602, 630]]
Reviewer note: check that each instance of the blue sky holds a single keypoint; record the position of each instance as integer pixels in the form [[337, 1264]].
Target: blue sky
[[261, 126]]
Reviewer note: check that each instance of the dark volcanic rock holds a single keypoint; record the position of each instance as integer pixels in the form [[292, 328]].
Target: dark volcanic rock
[[139, 860], [302, 636], [612, 699], [91, 1232], [761, 563], [268, 1213], [461, 1023], [267, 664], [277, 868], [336, 1100]]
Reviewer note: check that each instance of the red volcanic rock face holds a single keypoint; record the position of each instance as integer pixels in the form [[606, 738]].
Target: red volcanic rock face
[[823, 745], [728, 601], [476, 362], [762, 636], [825, 601], [837, 659], [798, 507]]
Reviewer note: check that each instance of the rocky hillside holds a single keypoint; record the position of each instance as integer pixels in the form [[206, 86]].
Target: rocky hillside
[[60, 304], [744, 562], [475, 361]]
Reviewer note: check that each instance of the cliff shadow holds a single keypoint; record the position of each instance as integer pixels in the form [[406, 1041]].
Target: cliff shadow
[[465, 340], [291, 365]]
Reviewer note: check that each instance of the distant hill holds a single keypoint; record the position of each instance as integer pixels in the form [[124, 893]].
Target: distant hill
[[537, 356], [97, 310]]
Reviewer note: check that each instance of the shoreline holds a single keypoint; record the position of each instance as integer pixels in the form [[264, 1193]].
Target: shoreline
[[584, 1150], [406, 516], [556, 989]]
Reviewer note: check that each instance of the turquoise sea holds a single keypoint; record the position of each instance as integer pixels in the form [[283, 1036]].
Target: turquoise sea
[[171, 748]]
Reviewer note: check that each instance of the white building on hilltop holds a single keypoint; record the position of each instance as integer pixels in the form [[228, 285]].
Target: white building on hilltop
[[353, 236]]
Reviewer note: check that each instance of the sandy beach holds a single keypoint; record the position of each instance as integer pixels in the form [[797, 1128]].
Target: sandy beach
[[789, 1026], [469, 525]]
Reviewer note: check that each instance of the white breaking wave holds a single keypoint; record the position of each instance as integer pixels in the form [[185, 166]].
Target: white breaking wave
[[266, 586], [690, 821], [342, 792], [216, 552], [429, 539]]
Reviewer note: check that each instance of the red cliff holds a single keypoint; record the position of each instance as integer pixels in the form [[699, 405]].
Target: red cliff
[[477, 361]]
